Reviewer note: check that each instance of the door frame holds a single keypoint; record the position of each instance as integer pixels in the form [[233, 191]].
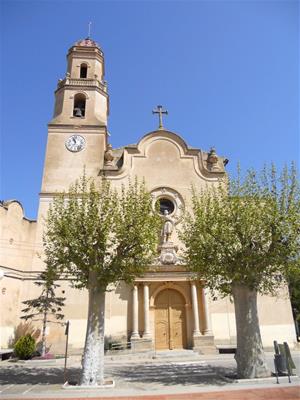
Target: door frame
[[187, 306]]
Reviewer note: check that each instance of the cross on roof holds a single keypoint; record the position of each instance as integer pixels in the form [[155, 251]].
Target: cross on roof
[[160, 113]]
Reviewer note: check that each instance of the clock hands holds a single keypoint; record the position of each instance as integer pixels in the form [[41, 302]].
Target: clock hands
[[75, 143]]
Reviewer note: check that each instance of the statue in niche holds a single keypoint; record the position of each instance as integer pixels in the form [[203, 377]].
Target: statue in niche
[[168, 228]]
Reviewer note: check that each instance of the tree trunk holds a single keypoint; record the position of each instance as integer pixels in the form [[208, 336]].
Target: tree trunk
[[43, 351], [93, 357], [250, 357]]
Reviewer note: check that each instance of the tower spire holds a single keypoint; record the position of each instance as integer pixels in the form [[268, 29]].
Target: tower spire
[[89, 30], [79, 95]]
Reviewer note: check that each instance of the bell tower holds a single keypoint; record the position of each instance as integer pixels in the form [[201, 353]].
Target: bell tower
[[77, 134]]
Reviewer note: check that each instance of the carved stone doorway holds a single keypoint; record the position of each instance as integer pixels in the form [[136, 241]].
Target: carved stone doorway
[[170, 320]]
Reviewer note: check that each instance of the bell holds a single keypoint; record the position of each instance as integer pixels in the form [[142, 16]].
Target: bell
[[77, 112]]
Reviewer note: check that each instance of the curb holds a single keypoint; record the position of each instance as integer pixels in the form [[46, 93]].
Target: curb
[[108, 384]]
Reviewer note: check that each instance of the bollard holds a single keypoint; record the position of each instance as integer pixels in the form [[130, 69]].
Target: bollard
[[66, 350]]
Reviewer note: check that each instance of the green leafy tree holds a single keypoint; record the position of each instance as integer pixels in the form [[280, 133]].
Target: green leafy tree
[[99, 236], [242, 238], [46, 307], [293, 280]]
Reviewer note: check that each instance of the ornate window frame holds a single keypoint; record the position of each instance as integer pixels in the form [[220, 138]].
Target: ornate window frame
[[164, 192]]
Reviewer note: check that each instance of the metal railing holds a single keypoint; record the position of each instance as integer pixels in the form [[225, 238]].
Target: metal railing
[[120, 346]]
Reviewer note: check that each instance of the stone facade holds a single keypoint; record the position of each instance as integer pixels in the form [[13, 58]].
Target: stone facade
[[164, 309]]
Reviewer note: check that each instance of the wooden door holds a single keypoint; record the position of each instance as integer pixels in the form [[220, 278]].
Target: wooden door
[[162, 335], [170, 325]]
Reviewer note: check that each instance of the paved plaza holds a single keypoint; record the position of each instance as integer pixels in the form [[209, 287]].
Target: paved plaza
[[163, 376]]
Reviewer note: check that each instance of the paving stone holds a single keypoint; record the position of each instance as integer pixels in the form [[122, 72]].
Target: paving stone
[[151, 379]]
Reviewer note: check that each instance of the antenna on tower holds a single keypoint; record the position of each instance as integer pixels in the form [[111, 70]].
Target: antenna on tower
[[89, 34]]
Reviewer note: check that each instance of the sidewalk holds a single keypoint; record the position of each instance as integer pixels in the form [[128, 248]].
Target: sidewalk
[[200, 377], [291, 393]]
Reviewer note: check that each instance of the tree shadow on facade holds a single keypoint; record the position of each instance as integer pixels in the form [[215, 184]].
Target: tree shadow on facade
[[124, 291]]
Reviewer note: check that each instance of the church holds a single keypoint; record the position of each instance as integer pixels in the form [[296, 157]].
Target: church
[[165, 309]]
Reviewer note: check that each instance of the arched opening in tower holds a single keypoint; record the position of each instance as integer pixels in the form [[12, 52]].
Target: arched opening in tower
[[83, 71], [79, 105]]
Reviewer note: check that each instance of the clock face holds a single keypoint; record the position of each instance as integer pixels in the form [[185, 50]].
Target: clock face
[[75, 143]]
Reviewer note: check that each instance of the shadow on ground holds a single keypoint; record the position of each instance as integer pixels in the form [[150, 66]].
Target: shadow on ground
[[21, 375], [148, 375], [173, 374]]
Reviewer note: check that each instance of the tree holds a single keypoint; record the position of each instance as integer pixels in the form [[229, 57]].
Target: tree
[[293, 280], [45, 305], [242, 238], [98, 237]]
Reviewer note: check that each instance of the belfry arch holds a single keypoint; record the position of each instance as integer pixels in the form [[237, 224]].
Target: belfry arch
[[79, 106], [83, 70]]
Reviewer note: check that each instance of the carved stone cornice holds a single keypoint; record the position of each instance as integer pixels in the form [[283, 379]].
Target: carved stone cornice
[[165, 276]]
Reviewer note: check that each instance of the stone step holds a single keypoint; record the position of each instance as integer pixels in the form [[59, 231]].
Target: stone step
[[160, 356], [178, 354]]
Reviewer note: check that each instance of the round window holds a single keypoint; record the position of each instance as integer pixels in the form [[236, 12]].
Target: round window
[[166, 205]]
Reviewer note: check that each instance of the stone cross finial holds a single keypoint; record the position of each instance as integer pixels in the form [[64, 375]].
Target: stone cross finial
[[160, 112]]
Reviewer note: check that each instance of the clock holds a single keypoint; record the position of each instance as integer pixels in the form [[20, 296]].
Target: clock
[[75, 143]]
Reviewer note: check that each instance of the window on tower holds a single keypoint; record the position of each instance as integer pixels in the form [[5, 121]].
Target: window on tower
[[83, 71], [79, 105]]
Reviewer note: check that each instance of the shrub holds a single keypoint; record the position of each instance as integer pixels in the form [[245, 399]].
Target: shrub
[[25, 347], [24, 328]]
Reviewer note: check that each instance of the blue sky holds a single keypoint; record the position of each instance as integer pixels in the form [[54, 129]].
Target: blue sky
[[227, 71]]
